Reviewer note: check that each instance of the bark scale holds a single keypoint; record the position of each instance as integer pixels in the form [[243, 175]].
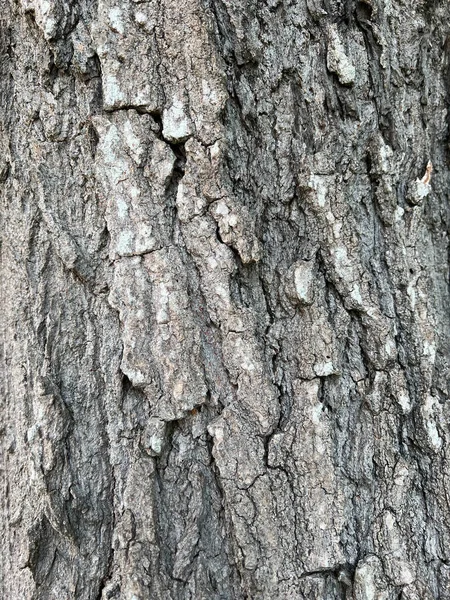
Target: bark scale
[[225, 302]]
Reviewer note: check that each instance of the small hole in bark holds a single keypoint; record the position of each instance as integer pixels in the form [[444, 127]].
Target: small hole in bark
[[126, 384], [363, 11]]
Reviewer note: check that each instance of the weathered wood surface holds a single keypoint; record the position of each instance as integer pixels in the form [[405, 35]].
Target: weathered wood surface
[[225, 302]]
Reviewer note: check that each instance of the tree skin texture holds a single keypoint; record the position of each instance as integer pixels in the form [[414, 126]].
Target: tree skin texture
[[225, 300]]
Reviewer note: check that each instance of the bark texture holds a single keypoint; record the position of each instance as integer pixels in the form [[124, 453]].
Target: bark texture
[[225, 302]]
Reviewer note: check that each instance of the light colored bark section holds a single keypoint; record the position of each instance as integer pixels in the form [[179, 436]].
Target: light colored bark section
[[225, 300]]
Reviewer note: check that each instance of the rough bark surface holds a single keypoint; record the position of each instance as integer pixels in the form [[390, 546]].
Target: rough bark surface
[[225, 302]]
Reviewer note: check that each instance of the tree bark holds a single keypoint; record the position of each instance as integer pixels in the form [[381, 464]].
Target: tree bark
[[225, 301]]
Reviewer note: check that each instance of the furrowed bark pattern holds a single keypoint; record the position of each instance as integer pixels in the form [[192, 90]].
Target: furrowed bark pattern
[[225, 290]]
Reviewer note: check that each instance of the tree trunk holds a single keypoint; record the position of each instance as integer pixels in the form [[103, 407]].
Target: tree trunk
[[225, 300]]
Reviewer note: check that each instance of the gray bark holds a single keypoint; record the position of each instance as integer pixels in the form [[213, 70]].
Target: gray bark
[[225, 302]]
